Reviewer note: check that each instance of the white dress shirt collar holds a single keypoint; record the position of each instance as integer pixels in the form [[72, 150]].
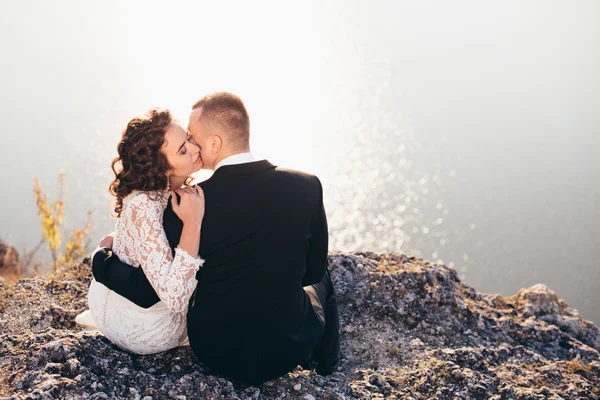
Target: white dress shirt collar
[[240, 158]]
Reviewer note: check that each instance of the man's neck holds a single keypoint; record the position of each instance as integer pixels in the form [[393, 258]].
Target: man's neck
[[220, 157]]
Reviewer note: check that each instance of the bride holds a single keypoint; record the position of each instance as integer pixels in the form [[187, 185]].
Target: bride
[[155, 155]]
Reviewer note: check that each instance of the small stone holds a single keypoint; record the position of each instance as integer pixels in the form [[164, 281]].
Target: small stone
[[348, 329], [309, 397], [297, 387], [135, 393]]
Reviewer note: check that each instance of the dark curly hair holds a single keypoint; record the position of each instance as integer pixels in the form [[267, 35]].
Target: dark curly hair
[[140, 164]]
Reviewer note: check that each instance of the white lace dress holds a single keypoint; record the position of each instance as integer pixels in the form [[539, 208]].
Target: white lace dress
[[140, 240]]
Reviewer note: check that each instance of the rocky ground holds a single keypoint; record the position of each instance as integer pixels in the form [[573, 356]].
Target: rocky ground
[[410, 330]]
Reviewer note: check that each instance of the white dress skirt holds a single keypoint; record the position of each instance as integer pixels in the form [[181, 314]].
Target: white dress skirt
[[140, 241]]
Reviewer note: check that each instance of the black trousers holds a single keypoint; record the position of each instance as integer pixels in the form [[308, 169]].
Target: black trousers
[[324, 302]]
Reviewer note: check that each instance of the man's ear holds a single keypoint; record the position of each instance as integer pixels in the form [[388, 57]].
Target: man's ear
[[216, 143]]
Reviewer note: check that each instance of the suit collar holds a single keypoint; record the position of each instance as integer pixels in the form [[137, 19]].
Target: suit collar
[[240, 158], [245, 168]]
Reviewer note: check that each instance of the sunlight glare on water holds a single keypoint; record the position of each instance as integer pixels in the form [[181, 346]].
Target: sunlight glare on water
[[463, 132]]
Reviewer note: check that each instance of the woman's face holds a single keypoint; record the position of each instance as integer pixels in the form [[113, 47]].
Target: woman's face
[[183, 155]]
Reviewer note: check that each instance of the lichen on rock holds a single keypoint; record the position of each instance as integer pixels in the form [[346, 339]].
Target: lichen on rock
[[410, 330]]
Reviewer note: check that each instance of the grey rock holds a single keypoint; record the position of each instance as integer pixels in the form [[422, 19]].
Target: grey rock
[[410, 330]]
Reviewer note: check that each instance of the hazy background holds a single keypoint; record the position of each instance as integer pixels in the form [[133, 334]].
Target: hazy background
[[465, 132]]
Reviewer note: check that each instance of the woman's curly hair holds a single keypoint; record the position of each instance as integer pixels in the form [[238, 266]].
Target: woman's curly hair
[[140, 164]]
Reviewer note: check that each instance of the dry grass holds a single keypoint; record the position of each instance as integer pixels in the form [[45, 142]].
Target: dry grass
[[15, 266], [575, 366]]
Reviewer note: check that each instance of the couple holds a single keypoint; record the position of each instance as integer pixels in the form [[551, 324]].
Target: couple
[[236, 266]]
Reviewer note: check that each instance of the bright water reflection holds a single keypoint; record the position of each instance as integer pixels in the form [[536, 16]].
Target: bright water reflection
[[462, 132]]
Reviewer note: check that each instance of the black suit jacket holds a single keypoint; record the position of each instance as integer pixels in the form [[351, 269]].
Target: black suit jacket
[[264, 237]]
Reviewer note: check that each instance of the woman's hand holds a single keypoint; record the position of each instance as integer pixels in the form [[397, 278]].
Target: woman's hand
[[107, 241], [191, 205]]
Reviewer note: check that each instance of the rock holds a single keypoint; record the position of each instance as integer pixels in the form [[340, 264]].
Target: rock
[[539, 300], [9, 256], [412, 330]]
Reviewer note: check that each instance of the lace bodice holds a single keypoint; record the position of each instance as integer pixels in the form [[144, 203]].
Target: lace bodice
[[140, 240]]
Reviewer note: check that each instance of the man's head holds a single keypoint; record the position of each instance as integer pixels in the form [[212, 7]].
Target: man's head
[[219, 124]]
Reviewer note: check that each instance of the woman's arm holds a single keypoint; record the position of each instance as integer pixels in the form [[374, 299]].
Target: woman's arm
[[173, 278]]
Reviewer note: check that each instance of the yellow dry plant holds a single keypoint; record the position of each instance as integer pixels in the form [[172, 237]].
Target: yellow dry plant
[[51, 217]]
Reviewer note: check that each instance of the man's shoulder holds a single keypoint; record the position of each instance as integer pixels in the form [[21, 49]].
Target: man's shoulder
[[294, 173], [300, 180], [264, 171]]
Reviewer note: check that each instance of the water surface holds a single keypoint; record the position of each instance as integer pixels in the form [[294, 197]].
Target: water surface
[[461, 132]]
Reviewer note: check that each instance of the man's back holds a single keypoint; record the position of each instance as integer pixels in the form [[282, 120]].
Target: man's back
[[264, 237]]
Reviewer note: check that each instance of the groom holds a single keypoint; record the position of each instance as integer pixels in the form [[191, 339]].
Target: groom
[[264, 302]]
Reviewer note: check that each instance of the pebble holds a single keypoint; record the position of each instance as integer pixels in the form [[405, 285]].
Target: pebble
[[134, 393]]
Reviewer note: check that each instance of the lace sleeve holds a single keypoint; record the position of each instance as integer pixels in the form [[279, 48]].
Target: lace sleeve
[[173, 279]]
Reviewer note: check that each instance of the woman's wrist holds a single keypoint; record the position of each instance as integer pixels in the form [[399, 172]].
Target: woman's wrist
[[193, 223]]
